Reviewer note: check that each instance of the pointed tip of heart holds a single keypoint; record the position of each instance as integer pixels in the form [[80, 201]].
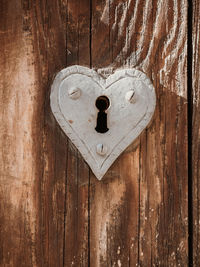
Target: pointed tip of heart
[[99, 177], [99, 174]]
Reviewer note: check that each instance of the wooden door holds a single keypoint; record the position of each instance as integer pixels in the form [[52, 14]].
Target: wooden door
[[53, 211]]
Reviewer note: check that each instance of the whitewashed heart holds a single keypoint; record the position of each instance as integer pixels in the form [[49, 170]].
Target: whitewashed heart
[[131, 104]]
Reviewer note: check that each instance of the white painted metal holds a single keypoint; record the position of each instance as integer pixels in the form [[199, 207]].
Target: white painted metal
[[127, 116]]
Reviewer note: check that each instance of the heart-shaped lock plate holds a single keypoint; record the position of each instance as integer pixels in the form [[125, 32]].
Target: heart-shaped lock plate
[[130, 99]]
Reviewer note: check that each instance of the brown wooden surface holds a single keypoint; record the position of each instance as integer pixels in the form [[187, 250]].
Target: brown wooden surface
[[53, 211], [76, 241], [196, 132], [139, 211], [33, 149]]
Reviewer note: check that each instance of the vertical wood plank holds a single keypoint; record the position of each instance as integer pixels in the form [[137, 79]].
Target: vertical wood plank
[[196, 131], [49, 19], [76, 205], [146, 188], [18, 170], [17, 153], [33, 150]]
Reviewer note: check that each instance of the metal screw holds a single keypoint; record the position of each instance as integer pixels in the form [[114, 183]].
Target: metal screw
[[74, 93], [130, 96], [101, 149]]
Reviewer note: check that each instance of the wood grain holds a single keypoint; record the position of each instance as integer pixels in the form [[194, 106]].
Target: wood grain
[[20, 108], [33, 155], [141, 205], [50, 42], [196, 130], [76, 204], [54, 212]]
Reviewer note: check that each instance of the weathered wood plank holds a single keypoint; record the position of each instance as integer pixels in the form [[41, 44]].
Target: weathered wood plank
[[50, 42], [141, 205], [76, 214], [33, 157], [21, 104], [196, 131]]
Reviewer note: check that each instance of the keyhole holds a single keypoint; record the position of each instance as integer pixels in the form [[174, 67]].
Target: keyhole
[[102, 104]]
